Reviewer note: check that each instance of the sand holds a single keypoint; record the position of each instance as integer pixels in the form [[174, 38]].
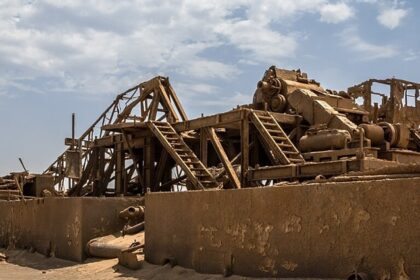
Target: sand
[[22, 265]]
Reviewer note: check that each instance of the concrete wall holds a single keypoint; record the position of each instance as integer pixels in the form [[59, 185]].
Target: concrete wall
[[316, 230], [61, 226]]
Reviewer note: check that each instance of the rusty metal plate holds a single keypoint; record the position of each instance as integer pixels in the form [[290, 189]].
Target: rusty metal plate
[[73, 164]]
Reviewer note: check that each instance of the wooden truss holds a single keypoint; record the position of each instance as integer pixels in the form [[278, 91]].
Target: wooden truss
[[144, 142]]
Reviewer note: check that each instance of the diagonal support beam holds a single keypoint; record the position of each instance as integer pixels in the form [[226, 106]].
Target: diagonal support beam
[[223, 157]]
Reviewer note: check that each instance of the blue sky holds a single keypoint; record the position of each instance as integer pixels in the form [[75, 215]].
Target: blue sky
[[59, 57]]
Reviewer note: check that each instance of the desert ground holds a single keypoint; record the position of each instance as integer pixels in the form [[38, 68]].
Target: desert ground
[[22, 265]]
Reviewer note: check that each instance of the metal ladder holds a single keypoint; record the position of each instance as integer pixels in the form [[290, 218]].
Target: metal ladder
[[282, 150], [194, 169]]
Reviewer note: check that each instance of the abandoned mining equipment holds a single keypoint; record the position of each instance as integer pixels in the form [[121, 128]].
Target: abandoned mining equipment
[[294, 130], [24, 185]]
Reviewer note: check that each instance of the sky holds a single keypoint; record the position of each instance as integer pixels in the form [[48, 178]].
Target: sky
[[60, 57]]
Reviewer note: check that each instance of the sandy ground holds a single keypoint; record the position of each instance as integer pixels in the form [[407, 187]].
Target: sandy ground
[[22, 265]]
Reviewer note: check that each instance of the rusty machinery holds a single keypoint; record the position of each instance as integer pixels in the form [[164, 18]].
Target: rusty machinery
[[294, 130], [24, 185]]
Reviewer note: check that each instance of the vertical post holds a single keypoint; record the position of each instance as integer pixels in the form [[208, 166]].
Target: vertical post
[[255, 147], [203, 147], [73, 130], [100, 173], [148, 162], [375, 112], [120, 169], [244, 148]]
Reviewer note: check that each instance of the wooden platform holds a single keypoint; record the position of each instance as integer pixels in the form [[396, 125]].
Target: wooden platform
[[313, 169]]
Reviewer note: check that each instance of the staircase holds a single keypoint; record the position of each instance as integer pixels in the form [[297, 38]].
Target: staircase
[[195, 170], [282, 150]]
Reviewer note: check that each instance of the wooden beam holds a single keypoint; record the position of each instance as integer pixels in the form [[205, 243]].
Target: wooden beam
[[167, 104], [153, 107], [173, 182], [203, 146], [107, 174], [228, 118], [223, 157], [305, 170], [218, 120], [244, 148], [134, 158], [100, 171], [160, 169], [178, 104], [148, 162], [76, 190], [119, 169]]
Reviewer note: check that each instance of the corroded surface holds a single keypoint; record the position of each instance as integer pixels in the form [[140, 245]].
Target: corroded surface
[[313, 230], [59, 226]]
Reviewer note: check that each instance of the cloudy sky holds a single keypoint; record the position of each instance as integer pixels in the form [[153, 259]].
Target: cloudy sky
[[59, 57]]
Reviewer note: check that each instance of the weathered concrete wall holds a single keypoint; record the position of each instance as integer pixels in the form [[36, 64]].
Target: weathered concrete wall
[[316, 230], [61, 226]]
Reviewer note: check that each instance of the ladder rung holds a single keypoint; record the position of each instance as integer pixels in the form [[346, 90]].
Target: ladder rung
[[202, 175], [264, 117], [186, 155], [290, 153], [279, 138], [197, 169], [207, 182], [269, 124], [168, 133], [284, 145], [295, 159], [192, 163], [176, 144], [275, 131], [163, 126]]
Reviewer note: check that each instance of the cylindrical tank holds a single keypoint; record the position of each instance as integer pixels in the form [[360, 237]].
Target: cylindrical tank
[[398, 135], [325, 139], [278, 103], [100, 249], [390, 133], [403, 132], [373, 132]]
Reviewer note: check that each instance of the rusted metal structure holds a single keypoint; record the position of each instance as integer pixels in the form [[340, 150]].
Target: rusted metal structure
[[23, 185], [295, 134], [294, 130]]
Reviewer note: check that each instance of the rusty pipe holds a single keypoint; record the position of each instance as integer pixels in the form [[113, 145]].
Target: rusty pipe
[[133, 229], [132, 212], [373, 132], [96, 248]]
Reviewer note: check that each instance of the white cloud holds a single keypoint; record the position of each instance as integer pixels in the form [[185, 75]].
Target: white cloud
[[352, 40], [92, 47], [258, 41], [193, 89], [411, 55], [87, 46], [335, 13], [202, 68], [391, 17]]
